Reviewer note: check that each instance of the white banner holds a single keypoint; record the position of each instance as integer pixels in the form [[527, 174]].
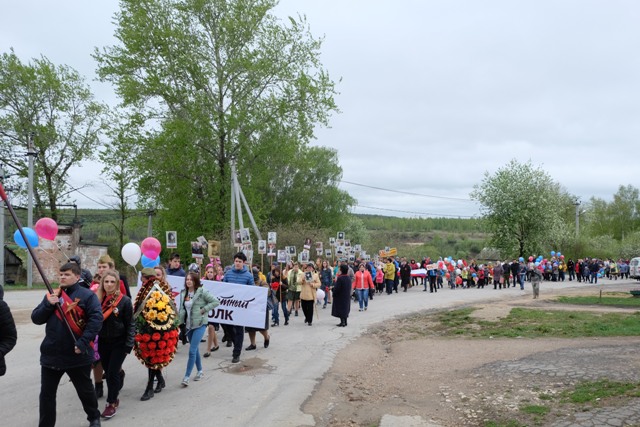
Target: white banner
[[419, 272], [239, 304]]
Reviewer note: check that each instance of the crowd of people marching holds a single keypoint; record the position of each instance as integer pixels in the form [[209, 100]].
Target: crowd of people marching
[[100, 323]]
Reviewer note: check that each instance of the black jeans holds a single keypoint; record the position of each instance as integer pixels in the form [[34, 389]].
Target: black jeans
[[112, 355], [285, 312], [307, 309], [237, 337], [81, 379], [389, 286]]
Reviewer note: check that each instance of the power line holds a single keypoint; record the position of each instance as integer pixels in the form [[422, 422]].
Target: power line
[[93, 200], [406, 192], [416, 213]]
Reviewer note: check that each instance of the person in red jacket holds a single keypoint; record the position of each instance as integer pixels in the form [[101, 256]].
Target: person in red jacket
[[362, 282]]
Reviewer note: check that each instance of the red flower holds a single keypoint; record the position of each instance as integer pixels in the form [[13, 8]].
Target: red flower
[[152, 353], [138, 338], [143, 346], [146, 337], [162, 344], [166, 336], [156, 336], [152, 345], [144, 354]]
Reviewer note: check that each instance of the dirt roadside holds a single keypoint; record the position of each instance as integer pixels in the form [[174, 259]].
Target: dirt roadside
[[465, 382]]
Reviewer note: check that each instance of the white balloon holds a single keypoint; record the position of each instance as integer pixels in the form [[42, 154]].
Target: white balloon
[[320, 295], [131, 253]]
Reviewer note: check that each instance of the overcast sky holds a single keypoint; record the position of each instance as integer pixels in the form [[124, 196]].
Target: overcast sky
[[433, 93]]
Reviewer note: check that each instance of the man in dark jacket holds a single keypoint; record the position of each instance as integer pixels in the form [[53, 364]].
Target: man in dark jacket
[[175, 268], [515, 271], [8, 334], [240, 275], [60, 351]]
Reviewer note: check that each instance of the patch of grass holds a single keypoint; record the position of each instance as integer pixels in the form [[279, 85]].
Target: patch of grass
[[454, 318], [545, 396], [591, 391], [531, 323], [613, 299], [535, 409]]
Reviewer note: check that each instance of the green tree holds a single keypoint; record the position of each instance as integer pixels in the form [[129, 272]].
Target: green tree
[[523, 208], [618, 218], [225, 81], [118, 172], [53, 106], [625, 211]]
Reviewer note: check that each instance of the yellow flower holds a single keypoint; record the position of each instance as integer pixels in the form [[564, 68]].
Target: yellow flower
[[151, 315], [162, 317], [161, 305], [150, 303], [169, 310], [165, 299], [156, 295]]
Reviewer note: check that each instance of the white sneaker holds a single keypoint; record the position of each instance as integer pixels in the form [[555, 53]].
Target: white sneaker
[[185, 382], [199, 376]]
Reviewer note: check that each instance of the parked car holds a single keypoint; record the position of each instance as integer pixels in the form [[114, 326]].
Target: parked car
[[634, 268]]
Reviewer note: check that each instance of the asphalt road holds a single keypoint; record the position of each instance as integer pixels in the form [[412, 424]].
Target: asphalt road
[[267, 388]]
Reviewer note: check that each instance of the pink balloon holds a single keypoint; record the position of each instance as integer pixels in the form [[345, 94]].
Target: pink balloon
[[151, 247], [47, 228]]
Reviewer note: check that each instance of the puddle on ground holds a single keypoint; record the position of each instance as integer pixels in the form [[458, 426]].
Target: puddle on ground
[[251, 366]]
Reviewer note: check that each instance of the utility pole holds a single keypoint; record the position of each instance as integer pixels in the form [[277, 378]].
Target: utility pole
[[150, 213], [31, 153], [577, 205], [237, 201]]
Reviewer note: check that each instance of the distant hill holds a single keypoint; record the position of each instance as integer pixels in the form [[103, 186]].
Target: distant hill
[[420, 237]]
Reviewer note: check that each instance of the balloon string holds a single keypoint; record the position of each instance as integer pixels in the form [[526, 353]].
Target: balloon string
[[46, 252], [65, 255]]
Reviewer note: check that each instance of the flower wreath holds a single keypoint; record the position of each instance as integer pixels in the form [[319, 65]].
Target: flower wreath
[[157, 337], [156, 350], [158, 311]]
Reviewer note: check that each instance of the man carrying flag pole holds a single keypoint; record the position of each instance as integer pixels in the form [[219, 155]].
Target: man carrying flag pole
[[69, 332], [59, 354]]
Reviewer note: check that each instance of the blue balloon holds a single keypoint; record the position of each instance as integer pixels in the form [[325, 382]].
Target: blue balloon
[[32, 237], [521, 259], [148, 262], [553, 253], [558, 254], [537, 263]]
